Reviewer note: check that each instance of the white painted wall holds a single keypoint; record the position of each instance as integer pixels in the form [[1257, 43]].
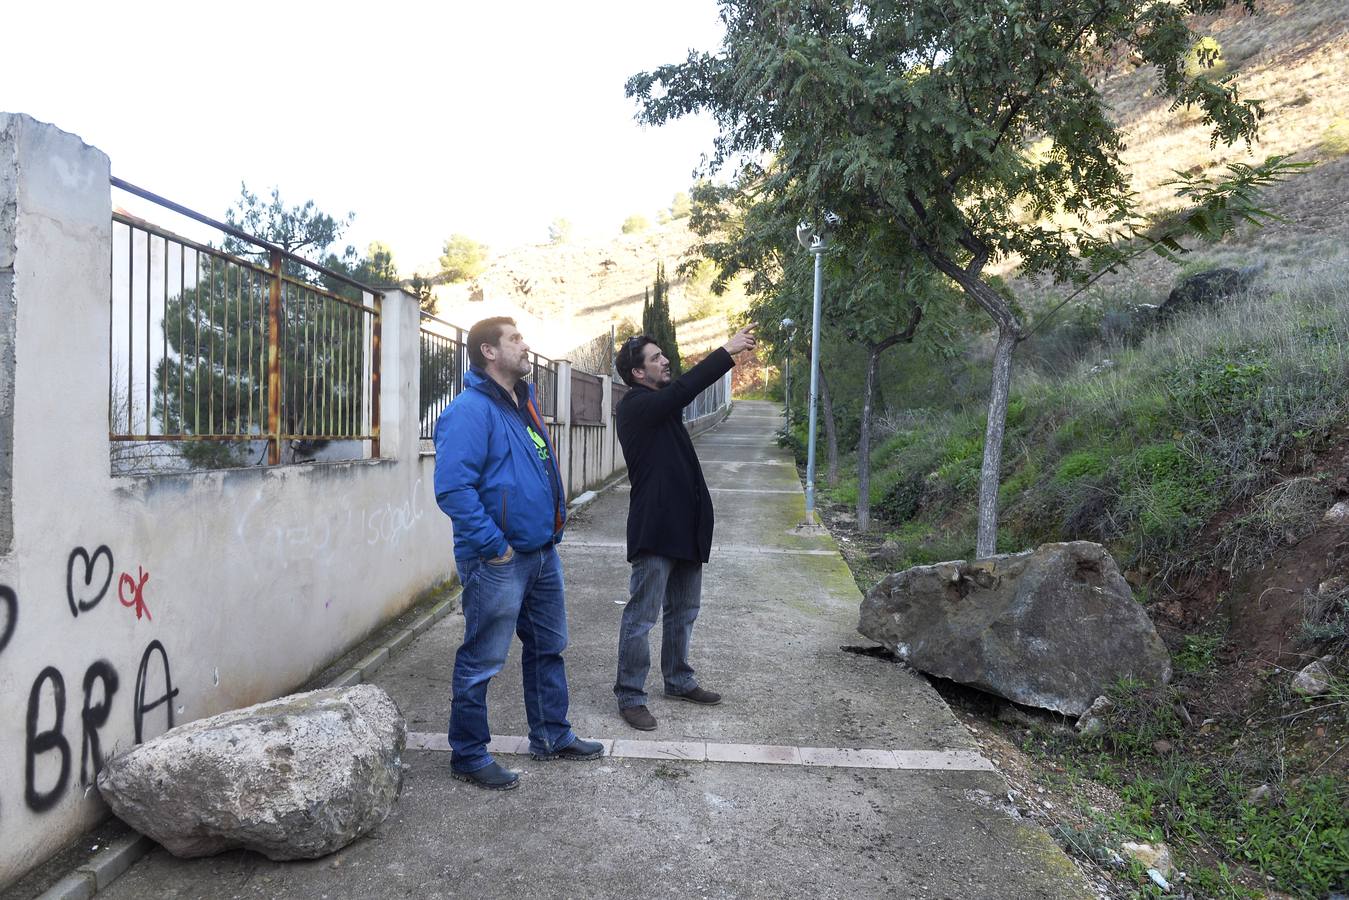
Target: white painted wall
[[251, 580]]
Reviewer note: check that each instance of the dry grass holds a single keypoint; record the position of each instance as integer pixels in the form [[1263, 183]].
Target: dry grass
[[1294, 57]]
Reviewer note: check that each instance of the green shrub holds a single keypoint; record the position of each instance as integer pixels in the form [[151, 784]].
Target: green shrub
[[1168, 490], [1335, 139], [1082, 464]]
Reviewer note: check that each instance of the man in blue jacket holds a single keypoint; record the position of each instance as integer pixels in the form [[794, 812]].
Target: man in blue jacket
[[497, 479], [669, 521]]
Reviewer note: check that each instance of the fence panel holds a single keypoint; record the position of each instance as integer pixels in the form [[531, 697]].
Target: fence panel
[[214, 357], [445, 362], [587, 398]]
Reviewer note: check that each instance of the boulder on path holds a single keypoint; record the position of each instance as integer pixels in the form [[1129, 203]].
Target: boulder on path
[[294, 778], [1052, 628]]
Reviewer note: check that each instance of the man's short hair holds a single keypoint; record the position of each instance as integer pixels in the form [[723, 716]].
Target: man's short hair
[[631, 356], [488, 331]]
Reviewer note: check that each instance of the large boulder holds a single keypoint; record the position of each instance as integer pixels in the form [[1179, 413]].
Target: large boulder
[[1052, 628], [295, 778], [1207, 288]]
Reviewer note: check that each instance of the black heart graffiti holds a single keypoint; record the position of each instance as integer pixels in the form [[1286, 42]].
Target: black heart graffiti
[[87, 598], [10, 602]]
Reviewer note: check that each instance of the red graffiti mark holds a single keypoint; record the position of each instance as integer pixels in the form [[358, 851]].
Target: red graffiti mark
[[137, 598]]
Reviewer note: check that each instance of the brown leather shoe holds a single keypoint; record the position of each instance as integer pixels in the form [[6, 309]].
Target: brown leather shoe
[[699, 696], [639, 717]]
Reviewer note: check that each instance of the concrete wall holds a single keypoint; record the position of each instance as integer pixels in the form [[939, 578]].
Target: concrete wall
[[130, 604]]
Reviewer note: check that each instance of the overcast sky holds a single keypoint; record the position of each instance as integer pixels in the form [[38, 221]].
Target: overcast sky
[[425, 119]]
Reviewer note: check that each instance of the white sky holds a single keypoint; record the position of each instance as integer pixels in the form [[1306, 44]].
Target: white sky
[[425, 119]]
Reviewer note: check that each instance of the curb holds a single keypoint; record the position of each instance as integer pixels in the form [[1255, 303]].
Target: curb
[[100, 871], [105, 866]]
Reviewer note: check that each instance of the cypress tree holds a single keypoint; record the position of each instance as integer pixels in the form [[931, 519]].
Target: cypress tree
[[661, 314]]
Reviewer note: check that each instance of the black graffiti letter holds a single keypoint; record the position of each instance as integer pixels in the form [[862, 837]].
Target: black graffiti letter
[[95, 717], [169, 690], [10, 601], [44, 741], [88, 597]]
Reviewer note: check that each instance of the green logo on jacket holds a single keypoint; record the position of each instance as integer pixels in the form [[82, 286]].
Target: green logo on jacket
[[539, 443]]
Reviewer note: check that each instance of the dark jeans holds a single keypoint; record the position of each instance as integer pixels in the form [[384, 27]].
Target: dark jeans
[[670, 589], [523, 596]]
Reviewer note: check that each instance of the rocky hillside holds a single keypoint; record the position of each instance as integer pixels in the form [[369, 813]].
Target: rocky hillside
[[568, 293]]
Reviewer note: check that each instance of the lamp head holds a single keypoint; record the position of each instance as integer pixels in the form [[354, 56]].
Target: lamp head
[[816, 239]]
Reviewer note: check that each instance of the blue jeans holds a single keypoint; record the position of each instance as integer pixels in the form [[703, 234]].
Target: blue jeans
[[672, 590], [523, 596]]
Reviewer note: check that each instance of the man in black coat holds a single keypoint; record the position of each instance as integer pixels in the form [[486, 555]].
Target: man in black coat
[[669, 520]]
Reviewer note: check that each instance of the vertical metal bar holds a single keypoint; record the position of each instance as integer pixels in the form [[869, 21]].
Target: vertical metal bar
[[814, 384], [235, 416], [274, 362], [254, 322], [182, 350], [164, 345], [130, 349], [225, 345], [196, 346], [112, 312], [149, 303], [210, 345], [323, 426], [376, 329]]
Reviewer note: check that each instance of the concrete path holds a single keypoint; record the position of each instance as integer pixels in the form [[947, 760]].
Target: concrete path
[[822, 774]]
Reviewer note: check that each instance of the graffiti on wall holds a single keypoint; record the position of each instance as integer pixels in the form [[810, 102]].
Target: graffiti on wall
[[52, 729]]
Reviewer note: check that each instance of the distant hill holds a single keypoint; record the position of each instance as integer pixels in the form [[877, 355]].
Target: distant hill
[[566, 294]]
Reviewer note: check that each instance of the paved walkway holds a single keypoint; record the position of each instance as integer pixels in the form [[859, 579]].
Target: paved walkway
[[822, 774]]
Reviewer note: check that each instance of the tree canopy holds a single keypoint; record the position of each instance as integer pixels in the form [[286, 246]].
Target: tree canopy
[[462, 258], [917, 117]]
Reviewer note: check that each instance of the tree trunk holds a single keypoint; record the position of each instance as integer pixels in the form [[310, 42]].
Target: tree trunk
[[986, 541], [830, 433], [864, 441]]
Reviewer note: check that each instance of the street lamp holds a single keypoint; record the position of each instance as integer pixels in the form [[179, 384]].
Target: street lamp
[[815, 240], [788, 326]]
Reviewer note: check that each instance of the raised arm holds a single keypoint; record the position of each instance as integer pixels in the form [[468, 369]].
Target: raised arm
[[683, 390]]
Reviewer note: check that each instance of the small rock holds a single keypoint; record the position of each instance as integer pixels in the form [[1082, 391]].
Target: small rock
[[1092, 722], [1312, 681], [1153, 856], [888, 552], [1161, 748], [1331, 585], [1259, 796], [1337, 513]]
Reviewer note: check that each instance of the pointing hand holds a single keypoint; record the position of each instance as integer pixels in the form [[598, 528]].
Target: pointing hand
[[742, 340]]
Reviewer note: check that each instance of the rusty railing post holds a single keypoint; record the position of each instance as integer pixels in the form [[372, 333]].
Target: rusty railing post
[[274, 363], [376, 328]]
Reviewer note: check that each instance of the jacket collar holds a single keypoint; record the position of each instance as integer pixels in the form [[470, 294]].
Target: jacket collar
[[477, 379]]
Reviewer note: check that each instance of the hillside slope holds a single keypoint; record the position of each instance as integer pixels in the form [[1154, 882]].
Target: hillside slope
[[568, 293]]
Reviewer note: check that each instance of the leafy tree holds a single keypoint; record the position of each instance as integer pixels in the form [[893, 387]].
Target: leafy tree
[[635, 224], [878, 292], [917, 116], [214, 380], [681, 206], [377, 269], [462, 259], [560, 231]]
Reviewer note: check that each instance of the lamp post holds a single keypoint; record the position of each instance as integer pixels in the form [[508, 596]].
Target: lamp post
[[816, 240]]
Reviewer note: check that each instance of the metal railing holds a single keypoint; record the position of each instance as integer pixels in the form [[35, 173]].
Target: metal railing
[[444, 362], [210, 348], [711, 399]]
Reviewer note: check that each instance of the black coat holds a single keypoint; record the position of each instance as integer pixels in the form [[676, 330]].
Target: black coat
[[670, 510]]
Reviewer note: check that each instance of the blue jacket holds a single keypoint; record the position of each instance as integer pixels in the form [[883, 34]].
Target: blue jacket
[[490, 480]]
